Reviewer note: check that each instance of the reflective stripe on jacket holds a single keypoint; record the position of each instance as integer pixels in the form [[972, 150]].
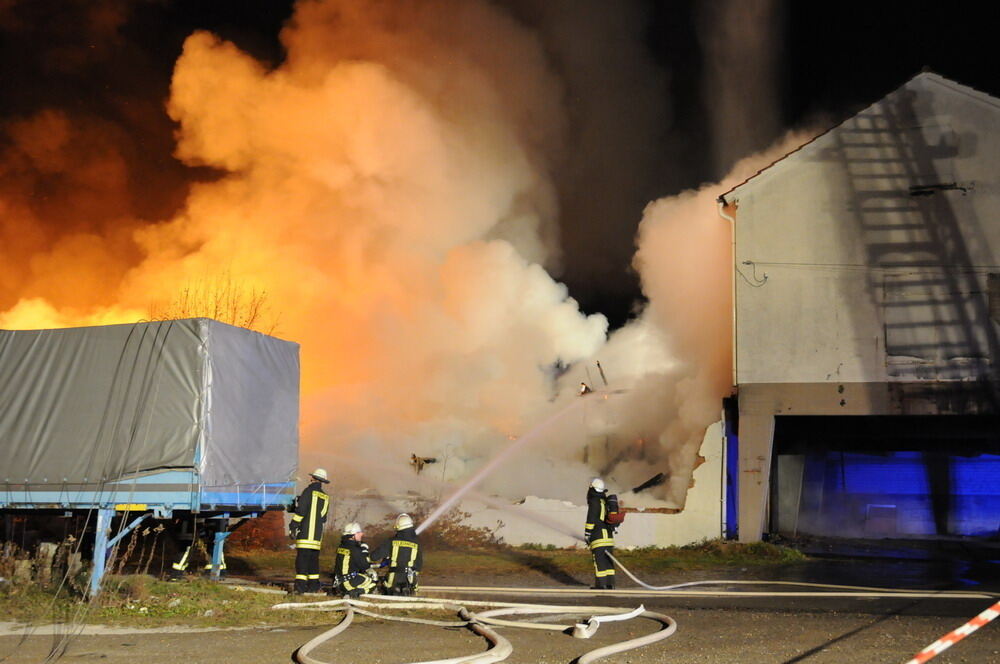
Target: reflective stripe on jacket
[[310, 517], [597, 528], [351, 558], [403, 551], [601, 537]]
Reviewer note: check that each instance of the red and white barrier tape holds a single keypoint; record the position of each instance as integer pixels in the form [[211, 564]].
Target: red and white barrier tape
[[953, 637]]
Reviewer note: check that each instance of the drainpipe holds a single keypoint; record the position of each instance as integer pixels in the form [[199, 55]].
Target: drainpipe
[[732, 248], [732, 286], [722, 477]]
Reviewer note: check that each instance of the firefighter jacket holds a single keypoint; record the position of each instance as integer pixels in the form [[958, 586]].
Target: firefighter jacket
[[351, 560], [402, 551], [307, 524], [597, 530]]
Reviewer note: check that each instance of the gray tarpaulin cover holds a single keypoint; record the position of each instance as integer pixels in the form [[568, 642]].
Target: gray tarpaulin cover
[[93, 404]]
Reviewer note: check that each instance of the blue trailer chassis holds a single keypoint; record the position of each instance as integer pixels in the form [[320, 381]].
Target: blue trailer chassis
[[158, 495]]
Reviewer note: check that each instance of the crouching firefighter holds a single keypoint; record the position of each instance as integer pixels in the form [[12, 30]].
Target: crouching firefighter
[[196, 538], [187, 536], [403, 557], [352, 573], [306, 529], [599, 535]]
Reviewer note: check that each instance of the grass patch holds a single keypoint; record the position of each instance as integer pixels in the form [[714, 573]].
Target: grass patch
[[449, 533], [711, 554], [706, 555], [143, 601]]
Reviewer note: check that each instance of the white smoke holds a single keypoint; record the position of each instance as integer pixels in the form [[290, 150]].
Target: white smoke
[[390, 187]]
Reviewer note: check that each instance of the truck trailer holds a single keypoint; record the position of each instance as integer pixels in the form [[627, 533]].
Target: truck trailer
[[177, 421]]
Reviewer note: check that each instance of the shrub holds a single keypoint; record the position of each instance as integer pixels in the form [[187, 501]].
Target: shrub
[[127, 588], [265, 532]]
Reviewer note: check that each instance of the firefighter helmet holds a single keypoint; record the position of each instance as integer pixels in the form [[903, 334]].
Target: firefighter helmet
[[597, 484], [353, 528], [320, 474], [404, 521]]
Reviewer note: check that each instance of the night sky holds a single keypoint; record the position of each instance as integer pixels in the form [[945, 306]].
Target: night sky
[[110, 63]]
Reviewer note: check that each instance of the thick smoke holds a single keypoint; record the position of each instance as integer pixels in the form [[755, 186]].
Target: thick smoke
[[391, 187], [684, 256], [743, 52], [621, 119]]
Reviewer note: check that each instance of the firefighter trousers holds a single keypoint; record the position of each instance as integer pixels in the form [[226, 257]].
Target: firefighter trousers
[[307, 570], [601, 545], [356, 585], [400, 582]]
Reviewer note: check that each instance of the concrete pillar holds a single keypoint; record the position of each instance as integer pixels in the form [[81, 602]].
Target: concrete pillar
[[756, 436]]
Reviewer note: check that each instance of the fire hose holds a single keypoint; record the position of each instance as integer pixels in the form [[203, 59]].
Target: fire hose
[[481, 623], [491, 617], [500, 647], [924, 655], [833, 590]]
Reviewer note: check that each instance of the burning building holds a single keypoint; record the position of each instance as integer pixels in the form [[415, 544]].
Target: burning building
[[866, 289], [391, 184]]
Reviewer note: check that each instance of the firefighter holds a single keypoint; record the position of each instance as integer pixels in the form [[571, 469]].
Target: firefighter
[[179, 566], [185, 535], [209, 540], [403, 557], [306, 529], [207, 569], [189, 536], [599, 535], [352, 574]]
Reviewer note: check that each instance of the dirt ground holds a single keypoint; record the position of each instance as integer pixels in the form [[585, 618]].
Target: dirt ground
[[704, 635]]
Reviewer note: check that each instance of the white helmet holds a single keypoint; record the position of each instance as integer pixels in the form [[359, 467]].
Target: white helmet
[[353, 528], [320, 474], [597, 484], [404, 521]]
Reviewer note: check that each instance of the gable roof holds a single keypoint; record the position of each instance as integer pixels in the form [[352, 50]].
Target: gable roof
[[924, 76]]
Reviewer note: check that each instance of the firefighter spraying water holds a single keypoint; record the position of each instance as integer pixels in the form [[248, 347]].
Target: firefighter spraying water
[[402, 556], [603, 518]]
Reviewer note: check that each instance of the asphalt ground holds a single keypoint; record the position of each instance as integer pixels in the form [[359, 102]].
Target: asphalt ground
[[772, 626], [703, 636]]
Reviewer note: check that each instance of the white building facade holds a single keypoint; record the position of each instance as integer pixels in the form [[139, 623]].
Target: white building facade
[[866, 292]]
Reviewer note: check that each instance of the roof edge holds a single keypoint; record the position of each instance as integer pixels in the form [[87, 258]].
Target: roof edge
[[926, 72]]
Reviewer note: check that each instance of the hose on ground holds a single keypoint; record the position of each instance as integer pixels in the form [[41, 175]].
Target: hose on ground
[[669, 627], [659, 592], [302, 654], [500, 648], [859, 589], [682, 590]]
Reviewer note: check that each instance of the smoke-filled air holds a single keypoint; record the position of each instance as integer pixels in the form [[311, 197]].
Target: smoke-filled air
[[388, 199]]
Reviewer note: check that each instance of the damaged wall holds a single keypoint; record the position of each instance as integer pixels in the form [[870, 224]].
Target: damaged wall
[[558, 523]]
